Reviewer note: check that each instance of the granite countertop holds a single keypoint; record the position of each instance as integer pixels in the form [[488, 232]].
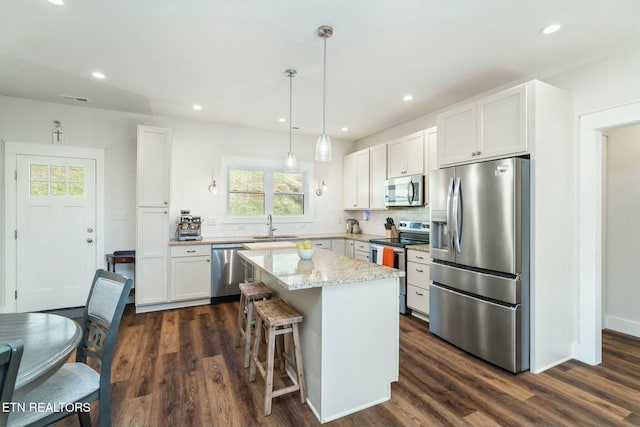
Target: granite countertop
[[253, 239], [325, 268], [421, 248]]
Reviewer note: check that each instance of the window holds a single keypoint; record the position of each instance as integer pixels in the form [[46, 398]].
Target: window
[[261, 191], [54, 180]]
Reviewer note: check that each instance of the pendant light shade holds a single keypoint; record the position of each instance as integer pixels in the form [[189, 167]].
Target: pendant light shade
[[291, 164], [323, 144]]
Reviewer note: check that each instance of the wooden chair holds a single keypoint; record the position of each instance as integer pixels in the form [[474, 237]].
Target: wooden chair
[[279, 318], [78, 382], [10, 356], [249, 293]]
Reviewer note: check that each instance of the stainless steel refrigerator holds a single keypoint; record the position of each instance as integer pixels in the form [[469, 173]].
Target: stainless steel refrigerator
[[479, 296]]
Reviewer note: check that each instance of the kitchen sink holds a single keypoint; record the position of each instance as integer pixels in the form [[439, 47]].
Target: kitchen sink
[[277, 237]]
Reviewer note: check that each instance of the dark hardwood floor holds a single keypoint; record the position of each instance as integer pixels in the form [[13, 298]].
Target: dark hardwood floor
[[180, 368]]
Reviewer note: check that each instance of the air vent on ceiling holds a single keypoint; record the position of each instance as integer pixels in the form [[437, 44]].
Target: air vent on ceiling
[[74, 98]]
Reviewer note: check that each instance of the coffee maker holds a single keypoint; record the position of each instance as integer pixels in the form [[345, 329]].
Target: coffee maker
[[188, 226]]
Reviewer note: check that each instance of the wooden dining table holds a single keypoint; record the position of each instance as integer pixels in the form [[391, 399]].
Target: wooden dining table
[[48, 339]]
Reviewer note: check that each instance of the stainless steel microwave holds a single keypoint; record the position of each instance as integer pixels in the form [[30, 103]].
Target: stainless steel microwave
[[404, 191]]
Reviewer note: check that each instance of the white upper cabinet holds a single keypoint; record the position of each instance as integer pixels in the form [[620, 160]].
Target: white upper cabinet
[[406, 156], [492, 127], [153, 167], [378, 162], [356, 180]]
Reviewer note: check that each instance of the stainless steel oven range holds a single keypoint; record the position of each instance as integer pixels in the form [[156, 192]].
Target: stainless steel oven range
[[410, 233]]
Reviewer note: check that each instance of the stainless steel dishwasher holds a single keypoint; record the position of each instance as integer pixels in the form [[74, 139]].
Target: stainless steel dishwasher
[[228, 270]]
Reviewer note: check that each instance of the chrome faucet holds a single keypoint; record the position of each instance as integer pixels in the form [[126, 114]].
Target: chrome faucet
[[270, 224]]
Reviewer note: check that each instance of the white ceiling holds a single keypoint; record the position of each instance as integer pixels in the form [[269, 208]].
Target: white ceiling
[[161, 57]]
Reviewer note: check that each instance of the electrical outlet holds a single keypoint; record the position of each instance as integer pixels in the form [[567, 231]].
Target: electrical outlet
[[212, 221], [118, 216]]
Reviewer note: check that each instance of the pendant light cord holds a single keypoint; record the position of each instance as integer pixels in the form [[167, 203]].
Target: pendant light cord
[[290, 107], [324, 87]]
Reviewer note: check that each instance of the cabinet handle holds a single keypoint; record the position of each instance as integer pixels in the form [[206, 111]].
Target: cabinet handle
[[419, 294], [191, 252], [419, 257], [419, 271], [208, 260]]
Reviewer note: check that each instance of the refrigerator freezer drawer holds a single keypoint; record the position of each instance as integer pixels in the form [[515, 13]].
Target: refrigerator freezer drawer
[[500, 288], [488, 330]]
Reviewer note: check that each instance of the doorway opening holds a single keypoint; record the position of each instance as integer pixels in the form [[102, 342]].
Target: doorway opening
[[588, 241]]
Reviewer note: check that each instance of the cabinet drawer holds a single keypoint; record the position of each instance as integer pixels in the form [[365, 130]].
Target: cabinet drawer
[[418, 256], [362, 255], [362, 246], [322, 244], [418, 274], [190, 250], [418, 299]]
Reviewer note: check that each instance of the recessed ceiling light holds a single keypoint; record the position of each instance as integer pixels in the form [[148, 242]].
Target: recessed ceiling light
[[550, 29], [98, 75], [197, 107], [407, 98], [57, 2], [282, 120], [344, 129]]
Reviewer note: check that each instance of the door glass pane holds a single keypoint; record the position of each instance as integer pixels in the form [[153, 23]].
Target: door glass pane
[[58, 188], [37, 188], [39, 172], [76, 188], [58, 173], [76, 174]]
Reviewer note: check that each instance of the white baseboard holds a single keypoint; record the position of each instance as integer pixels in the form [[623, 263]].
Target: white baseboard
[[626, 326]]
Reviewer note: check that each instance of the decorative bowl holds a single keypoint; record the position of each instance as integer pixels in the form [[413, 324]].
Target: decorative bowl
[[305, 253]]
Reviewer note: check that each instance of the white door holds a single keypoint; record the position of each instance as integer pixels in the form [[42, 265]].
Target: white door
[[56, 221]]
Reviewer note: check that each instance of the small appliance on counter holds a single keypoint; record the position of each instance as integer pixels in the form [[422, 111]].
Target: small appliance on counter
[[188, 226], [353, 226]]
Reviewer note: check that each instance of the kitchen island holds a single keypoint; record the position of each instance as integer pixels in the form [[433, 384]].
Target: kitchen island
[[350, 332]]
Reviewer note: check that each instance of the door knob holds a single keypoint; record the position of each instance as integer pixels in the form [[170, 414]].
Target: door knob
[[89, 240], [89, 230]]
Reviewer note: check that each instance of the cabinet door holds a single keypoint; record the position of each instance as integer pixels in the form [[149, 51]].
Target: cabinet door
[[503, 123], [418, 299], [350, 182], [415, 154], [397, 158], [349, 249], [190, 278], [378, 166], [362, 159], [457, 135], [151, 256], [430, 157], [153, 166], [338, 246]]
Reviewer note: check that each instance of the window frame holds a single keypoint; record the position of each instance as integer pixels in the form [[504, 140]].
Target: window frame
[[269, 193]]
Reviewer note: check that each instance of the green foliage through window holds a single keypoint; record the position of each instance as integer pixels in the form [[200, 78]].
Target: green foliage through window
[[258, 192], [55, 180]]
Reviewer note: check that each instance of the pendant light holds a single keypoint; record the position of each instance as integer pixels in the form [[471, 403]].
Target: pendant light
[[323, 144], [291, 163]]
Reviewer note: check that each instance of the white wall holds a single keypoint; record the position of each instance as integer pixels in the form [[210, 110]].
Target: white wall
[[198, 150], [621, 287]]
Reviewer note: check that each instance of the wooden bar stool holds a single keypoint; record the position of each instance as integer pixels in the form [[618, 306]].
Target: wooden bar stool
[[279, 319], [249, 292]]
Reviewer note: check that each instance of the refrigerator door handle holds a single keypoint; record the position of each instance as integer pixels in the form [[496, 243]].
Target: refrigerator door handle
[[449, 221], [456, 215]]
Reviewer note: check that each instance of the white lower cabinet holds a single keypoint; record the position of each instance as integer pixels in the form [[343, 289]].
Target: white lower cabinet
[[322, 244], [350, 248], [190, 268], [418, 283], [361, 250], [338, 246]]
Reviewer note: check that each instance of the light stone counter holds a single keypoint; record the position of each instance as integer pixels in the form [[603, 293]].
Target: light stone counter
[[350, 329], [250, 239], [325, 268]]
